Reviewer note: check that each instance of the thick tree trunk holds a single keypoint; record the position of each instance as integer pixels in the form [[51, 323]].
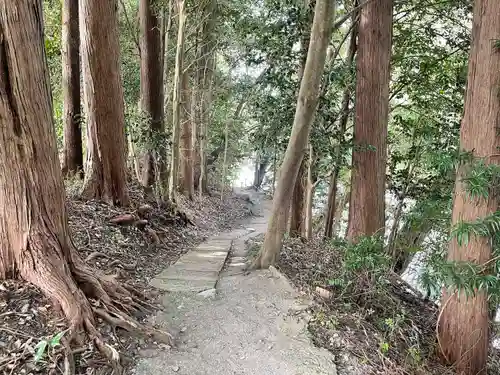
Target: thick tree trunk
[[367, 205], [304, 115], [463, 327], [344, 117], [105, 174], [72, 163], [176, 102], [186, 138], [297, 209], [35, 243], [151, 84]]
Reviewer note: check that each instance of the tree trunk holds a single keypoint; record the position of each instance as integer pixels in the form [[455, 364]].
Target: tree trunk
[[463, 327], [304, 116], [297, 213], [346, 99], [311, 186], [297, 209], [35, 243], [261, 164], [151, 84], [408, 240], [367, 205], [339, 212], [186, 147], [331, 203], [105, 174], [163, 178], [72, 163], [207, 67], [176, 102]]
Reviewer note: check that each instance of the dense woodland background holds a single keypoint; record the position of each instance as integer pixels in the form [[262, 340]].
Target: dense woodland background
[[372, 123]]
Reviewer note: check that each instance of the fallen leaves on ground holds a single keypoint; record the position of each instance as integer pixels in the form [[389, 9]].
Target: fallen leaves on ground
[[133, 253]]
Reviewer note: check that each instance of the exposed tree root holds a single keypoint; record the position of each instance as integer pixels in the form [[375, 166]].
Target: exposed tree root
[[85, 295]]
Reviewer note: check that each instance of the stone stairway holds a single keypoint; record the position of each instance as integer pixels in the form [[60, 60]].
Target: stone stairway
[[198, 270]]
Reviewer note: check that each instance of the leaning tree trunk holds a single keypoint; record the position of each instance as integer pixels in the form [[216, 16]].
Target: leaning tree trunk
[[72, 163], [297, 213], [304, 115], [367, 205], [105, 174], [463, 327], [151, 84], [35, 242]]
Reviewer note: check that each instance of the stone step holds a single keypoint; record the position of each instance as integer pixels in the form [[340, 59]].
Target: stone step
[[203, 257], [176, 273], [183, 285], [213, 247]]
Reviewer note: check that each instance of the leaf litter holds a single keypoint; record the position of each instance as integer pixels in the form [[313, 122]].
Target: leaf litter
[[32, 330], [386, 331]]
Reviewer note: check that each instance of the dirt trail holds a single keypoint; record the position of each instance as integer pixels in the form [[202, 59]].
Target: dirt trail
[[249, 324]]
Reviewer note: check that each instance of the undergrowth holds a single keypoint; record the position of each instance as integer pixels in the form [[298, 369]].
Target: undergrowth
[[363, 310]]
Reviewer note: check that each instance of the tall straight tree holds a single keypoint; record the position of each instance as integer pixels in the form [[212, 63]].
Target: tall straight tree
[[186, 138], [151, 82], [176, 100], [333, 203], [206, 69], [304, 115], [35, 243], [367, 204], [72, 162], [105, 174], [463, 328]]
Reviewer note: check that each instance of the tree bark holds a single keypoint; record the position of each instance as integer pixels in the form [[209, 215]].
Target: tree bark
[[151, 84], [163, 178], [186, 137], [346, 99], [105, 174], [304, 116], [72, 163], [297, 213], [311, 187], [261, 164], [367, 204], [463, 327], [339, 212], [176, 102], [207, 67], [297, 209], [35, 243]]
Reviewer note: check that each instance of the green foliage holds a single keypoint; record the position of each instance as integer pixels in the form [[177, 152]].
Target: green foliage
[[44, 345]]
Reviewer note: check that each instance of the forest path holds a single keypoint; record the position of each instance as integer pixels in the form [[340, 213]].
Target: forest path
[[229, 323]]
